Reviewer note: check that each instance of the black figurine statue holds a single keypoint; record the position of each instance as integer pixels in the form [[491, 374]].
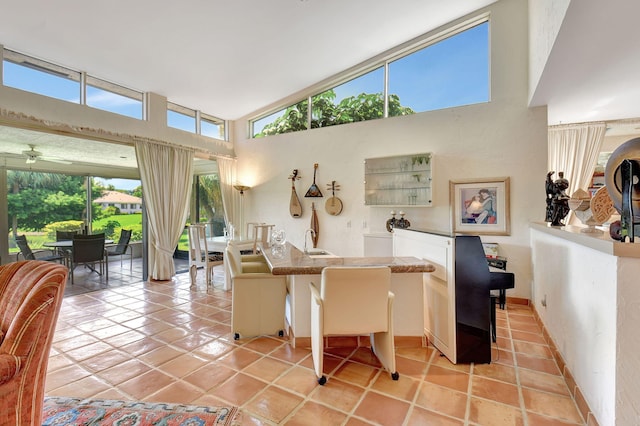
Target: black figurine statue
[[557, 199]]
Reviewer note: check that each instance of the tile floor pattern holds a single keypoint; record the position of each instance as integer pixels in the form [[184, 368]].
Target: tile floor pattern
[[168, 342]]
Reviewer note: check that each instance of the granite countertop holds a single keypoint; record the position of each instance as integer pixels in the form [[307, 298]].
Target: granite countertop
[[292, 261]]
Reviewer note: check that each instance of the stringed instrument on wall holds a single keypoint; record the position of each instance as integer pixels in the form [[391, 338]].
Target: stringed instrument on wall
[[333, 206], [295, 208], [314, 191]]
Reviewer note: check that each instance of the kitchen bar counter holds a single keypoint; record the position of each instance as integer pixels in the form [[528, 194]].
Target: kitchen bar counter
[[301, 269], [293, 261]]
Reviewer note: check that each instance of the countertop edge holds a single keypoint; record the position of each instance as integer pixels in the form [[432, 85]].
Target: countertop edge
[[398, 265], [600, 241]]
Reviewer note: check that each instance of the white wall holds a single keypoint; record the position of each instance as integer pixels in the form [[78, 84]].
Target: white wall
[[592, 313], [545, 19], [501, 138]]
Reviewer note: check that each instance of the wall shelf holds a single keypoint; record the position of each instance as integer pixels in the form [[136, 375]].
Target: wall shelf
[[403, 181]]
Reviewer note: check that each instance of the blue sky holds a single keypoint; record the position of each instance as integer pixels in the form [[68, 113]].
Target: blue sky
[[452, 72], [126, 184]]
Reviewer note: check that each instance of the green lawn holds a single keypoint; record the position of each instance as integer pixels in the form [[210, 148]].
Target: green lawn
[[125, 220], [37, 239]]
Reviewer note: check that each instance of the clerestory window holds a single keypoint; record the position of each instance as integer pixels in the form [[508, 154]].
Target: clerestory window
[[193, 121], [449, 70], [42, 77]]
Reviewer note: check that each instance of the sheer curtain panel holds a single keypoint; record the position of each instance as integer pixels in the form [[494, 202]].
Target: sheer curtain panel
[[166, 175], [227, 168], [574, 150]]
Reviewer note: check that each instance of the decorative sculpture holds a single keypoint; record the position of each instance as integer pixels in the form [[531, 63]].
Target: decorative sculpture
[[622, 178], [592, 211], [557, 199], [401, 223]]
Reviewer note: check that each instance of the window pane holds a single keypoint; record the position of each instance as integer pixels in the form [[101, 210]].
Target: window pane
[[181, 121], [291, 119], [41, 203], [210, 206], [117, 205], [356, 100], [113, 102], [259, 125], [452, 72], [212, 129], [114, 98], [34, 79]]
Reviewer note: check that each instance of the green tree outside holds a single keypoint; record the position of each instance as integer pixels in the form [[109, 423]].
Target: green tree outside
[[325, 112]]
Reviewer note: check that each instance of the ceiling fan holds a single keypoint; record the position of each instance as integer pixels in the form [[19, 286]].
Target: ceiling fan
[[33, 156]]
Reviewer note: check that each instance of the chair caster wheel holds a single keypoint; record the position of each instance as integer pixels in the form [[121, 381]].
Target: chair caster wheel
[[322, 380], [281, 333], [236, 336], [395, 376]]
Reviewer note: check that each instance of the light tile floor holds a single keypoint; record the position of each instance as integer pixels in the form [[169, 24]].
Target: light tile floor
[[169, 342]]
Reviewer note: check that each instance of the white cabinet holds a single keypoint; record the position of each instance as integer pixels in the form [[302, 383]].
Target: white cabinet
[[378, 245], [438, 286], [403, 180]]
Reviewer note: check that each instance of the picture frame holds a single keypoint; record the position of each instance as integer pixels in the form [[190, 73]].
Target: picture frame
[[480, 206]]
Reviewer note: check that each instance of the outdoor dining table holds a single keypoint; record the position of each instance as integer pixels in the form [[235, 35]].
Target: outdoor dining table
[[67, 243]]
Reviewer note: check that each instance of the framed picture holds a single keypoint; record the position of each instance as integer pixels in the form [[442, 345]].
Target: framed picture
[[480, 206]]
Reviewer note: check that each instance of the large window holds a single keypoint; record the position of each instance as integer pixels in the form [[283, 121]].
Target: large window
[[39, 204], [447, 71]]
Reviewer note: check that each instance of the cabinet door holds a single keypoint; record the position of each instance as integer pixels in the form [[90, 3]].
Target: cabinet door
[[404, 180]]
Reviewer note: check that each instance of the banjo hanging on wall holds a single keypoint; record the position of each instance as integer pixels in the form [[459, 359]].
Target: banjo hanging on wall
[[333, 206]]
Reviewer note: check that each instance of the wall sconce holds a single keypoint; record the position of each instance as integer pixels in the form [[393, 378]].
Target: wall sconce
[[241, 188]]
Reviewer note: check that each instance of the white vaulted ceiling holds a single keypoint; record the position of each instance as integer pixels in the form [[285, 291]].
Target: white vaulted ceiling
[[225, 58], [232, 58]]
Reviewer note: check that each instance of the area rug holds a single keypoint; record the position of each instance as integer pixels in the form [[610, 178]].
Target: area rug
[[60, 411]]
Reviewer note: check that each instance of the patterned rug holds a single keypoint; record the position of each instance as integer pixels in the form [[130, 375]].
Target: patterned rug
[[77, 411]]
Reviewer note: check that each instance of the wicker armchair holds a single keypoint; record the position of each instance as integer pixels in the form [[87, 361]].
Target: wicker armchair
[[31, 293]]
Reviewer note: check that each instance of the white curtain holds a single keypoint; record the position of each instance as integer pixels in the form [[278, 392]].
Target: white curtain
[[574, 150], [166, 174], [227, 168]]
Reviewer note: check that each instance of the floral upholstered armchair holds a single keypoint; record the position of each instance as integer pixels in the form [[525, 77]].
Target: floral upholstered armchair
[[31, 293]]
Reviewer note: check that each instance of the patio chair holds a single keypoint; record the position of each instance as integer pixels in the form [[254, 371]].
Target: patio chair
[[28, 254], [65, 235], [63, 251], [89, 250], [122, 247]]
